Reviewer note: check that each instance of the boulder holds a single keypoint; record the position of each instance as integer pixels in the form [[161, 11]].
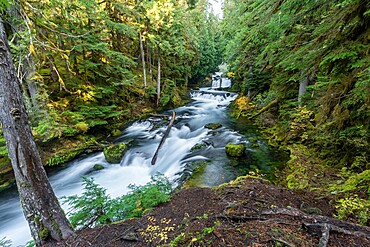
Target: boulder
[[213, 126], [98, 167], [235, 150], [115, 152]]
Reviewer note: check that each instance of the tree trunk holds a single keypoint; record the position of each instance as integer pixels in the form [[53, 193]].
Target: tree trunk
[[26, 66], [149, 52], [159, 77], [66, 66], [41, 208], [302, 89], [142, 58]]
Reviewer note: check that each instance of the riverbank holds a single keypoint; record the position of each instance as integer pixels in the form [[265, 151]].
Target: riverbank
[[57, 152], [312, 162], [245, 212]]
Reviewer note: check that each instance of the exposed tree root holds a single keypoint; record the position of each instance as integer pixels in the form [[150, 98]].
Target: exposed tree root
[[322, 225]]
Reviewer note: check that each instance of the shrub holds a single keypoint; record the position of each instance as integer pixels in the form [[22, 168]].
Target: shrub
[[94, 207], [354, 207]]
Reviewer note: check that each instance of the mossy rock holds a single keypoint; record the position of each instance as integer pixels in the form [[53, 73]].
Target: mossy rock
[[235, 150], [98, 167], [213, 126], [116, 132], [114, 153], [196, 177], [198, 146]]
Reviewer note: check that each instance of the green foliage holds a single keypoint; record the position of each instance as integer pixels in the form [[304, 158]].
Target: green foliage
[[94, 207], [195, 238], [301, 121], [90, 208], [30, 243], [171, 94], [354, 207], [274, 46], [4, 4], [142, 197], [85, 55], [61, 159], [354, 181]]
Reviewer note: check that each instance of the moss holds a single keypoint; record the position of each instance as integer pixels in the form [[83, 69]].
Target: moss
[[63, 158], [196, 178], [67, 150], [4, 186], [98, 167], [235, 150], [198, 146], [213, 126], [43, 233], [25, 185], [116, 132], [114, 153]]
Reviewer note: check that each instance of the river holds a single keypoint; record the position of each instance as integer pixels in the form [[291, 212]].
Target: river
[[174, 161]]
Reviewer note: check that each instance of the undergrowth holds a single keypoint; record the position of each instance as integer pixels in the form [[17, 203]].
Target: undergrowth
[[95, 207]]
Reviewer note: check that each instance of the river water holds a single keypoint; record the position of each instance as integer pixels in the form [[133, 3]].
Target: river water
[[175, 157]]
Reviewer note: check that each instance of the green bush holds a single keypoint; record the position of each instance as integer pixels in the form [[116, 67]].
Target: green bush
[[146, 196], [94, 207], [354, 207], [90, 208]]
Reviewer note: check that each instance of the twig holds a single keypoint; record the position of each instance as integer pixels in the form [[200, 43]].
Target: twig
[[237, 218], [123, 234], [96, 237], [281, 241]]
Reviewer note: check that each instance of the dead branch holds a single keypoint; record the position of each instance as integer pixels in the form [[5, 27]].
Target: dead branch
[[281, 241], [164, 137], [159, 115]]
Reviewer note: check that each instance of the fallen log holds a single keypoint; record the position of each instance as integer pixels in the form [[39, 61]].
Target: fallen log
[[154, 159], [271, 104]]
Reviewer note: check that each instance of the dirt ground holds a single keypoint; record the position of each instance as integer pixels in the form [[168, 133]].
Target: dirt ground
[[246, 212]]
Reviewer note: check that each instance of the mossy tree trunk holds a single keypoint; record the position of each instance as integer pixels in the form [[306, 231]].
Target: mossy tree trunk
[[41, 208], [142, 58]]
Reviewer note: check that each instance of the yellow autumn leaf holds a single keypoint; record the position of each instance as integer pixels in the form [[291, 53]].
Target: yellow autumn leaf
[[32, 49]]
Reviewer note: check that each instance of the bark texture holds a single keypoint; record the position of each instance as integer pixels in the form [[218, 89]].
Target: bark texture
[[142, 58], [40, 205], [159, 78]]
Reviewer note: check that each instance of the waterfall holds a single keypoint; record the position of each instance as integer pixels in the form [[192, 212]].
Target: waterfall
[[220, 82]]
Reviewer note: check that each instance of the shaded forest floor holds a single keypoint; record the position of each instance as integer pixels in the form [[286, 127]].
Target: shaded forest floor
[[245, 212]]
